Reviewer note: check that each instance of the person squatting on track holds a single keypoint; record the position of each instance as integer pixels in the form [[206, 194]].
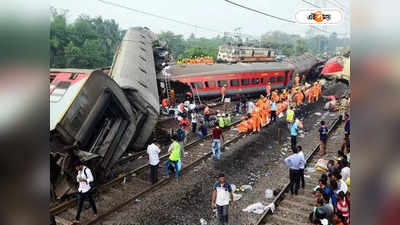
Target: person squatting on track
[[294, 162], [216, 144], [153, 150], [175, 155], [221, 198], [84, 178]]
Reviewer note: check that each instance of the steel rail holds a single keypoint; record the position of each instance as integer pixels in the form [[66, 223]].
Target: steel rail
[[69, 203], [281, 195]]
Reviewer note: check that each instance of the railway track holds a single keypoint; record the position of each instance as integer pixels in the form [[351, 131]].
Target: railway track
[[135, 182], [60, 207], [296, 209]]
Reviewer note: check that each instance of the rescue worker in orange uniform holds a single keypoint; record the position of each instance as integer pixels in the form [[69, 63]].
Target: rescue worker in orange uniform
[[297, 80], [284, 95], [260, 101], [319, 90], [268, 89], [267, 109], [242, 126], [250, 124], [299, 98], [255, 115], [263, 111], [275, 96], [309, 94], [172, 95]]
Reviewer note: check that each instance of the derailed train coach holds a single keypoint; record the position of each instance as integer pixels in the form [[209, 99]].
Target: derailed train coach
[[90, 121], [96, 116]]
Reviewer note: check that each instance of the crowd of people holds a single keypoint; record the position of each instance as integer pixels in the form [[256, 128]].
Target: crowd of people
[[332, 195], [196, 60]]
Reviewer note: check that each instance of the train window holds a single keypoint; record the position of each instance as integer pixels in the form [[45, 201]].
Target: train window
[[255, 81], [262, 80], [235, 83], [281, 78], [58, 92], [222, 83], [210, 84], [272, 79], [197, 85], [245, 81]]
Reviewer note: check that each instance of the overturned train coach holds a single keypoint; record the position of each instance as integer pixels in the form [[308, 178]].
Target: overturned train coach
[[243, 78], [95, 117]]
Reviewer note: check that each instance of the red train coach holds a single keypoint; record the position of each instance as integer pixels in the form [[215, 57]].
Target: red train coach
[[241, 78]]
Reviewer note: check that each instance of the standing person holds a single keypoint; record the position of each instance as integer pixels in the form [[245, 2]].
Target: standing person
[[347, 124], [221, 121], [175, 155], [293, 163], [301, 166], [250, 106], [172, 95], [223, 93], [206, 114], [180, 134], [268, 89], [289, 117], [84, 178], [323, 137], [194, 122], [221, 197], [153, 150], [293, 133], [216, 144], [273, 110]]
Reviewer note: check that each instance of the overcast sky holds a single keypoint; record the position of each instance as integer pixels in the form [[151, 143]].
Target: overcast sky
[[214, 14]]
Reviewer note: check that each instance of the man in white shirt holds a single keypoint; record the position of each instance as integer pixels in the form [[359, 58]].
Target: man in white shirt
[[84, 178], [302, 165], [342, 186], [293, 162], [250, 106], [221, 197], [153, 150]]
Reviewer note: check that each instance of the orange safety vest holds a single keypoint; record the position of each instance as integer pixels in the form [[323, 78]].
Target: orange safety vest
[[242, 127]]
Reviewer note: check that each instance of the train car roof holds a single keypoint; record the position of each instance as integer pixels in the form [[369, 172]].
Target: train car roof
[[208, 69], [70, 70]]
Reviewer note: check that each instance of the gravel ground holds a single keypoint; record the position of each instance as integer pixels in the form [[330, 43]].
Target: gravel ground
[[255, 159]]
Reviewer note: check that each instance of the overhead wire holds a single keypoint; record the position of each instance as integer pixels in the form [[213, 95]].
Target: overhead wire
[[257, 11], [162, 17]]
